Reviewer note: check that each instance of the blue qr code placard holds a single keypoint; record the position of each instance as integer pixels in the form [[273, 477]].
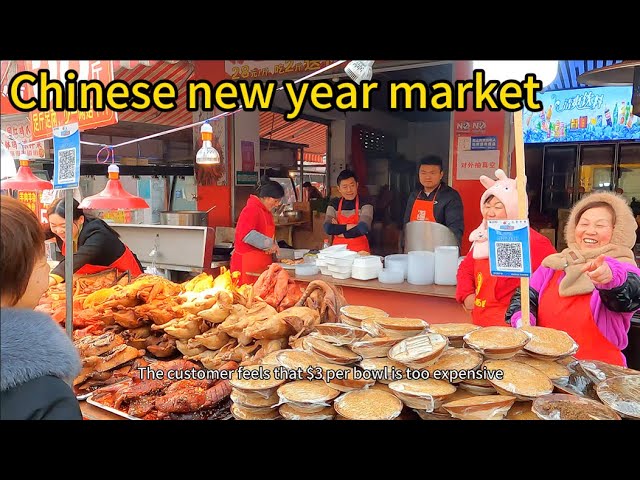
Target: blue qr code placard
[[509, 256], [67, 165]]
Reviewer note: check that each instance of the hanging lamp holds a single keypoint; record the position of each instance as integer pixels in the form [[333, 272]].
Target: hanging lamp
[[114, 196], [25, 180]]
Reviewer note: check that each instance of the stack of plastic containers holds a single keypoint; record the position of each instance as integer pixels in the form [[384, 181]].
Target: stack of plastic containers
[[421, 270], [446, 265], [340, 263], [323, 256], [366, 268], [397, 263]]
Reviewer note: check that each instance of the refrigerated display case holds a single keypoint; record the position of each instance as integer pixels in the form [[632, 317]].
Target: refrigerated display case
[[572, 171]]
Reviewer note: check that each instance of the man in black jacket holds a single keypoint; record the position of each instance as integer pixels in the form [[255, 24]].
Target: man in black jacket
[[435, 201]]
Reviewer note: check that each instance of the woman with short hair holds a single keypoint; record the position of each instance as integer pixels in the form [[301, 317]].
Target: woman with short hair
[[36, 357]]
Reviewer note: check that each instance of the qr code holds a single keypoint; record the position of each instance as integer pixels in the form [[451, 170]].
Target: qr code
[[67, 165], [509, 256]]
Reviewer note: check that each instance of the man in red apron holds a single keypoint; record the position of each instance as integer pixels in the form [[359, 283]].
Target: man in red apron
[[348, 219], [254, 242], [96, 246], [435, 201]]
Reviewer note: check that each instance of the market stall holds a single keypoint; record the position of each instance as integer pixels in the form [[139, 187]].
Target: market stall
[[211, 349]]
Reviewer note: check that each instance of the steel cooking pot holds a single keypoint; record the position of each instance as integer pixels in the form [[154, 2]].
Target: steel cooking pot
[[185, 218]]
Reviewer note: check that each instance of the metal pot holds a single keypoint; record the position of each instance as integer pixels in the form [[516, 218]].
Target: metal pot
[[293, 215], [423, 235], [184, 218]]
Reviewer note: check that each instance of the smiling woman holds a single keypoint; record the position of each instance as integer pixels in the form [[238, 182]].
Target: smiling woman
[[595, 278]]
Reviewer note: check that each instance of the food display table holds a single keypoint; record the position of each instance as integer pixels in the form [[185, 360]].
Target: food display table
[[433, 303]]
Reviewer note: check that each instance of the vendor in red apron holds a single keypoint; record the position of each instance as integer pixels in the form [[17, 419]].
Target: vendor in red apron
[[96, 246], [484, 295], [435, 201], [254, 243], [348, 218], [592, 288]]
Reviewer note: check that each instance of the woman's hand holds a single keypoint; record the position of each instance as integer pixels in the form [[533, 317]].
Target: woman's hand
[[598, 271], [470, 301], [334, 221]]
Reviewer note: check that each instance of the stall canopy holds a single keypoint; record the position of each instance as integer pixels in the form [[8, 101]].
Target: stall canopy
[[273, 126], [178, 72], [570, 70]]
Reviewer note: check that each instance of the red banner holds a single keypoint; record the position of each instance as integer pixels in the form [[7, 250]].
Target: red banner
[[43, 123]]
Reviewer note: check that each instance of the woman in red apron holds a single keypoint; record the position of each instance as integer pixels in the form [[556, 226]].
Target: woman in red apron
[[96, 246], [486, 296], [592, 288], [254, 242], [348, 219]]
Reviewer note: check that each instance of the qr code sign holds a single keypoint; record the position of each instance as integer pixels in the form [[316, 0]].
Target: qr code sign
[[509, 256], [67, 165]]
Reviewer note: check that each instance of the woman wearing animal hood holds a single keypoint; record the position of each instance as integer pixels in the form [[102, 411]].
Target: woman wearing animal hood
[[485, 295], [592, 288]]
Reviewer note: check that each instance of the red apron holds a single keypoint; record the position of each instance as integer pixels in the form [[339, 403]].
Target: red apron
[[580, 325], [252, 262], [356, 244], [126, 262], [423, 209], [487, 311]]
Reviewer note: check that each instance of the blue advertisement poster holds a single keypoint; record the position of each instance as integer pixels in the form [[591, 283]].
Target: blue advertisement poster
[[582, 115]]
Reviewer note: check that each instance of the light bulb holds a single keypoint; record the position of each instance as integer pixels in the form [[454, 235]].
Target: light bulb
[[359, 70], [207, 155], [8, 165], [501, 70]]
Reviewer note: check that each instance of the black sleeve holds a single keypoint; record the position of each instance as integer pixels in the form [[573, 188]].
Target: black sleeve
[[98, 248], [625, 298], [515, 305], [454, 216], [334, 229], [407, 210]]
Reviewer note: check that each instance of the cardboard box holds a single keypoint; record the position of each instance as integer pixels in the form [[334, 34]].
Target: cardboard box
[[550, 233]]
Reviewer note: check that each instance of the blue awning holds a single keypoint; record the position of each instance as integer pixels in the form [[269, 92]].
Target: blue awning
[[570, 70]]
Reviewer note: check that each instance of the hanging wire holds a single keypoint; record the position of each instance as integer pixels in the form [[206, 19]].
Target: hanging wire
[[196, 124], [110, 155]]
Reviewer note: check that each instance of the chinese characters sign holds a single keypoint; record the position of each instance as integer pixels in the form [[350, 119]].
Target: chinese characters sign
[[582, 115], [43, 123], [477, 156], [250, 69], [19, 128]]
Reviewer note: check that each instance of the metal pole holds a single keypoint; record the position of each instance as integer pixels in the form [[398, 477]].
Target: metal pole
[[68, 259]]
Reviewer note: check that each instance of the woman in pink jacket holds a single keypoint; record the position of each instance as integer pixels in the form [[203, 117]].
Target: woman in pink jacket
[[592, 288]]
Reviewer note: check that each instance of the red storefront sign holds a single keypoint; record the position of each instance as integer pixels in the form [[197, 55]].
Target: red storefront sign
[[43, 123]]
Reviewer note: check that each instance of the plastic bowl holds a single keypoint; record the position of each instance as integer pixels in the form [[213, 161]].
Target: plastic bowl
[[390, 276]]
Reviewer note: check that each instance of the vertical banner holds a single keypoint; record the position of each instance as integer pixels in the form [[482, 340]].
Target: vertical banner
[[248, 156], [66, 160]]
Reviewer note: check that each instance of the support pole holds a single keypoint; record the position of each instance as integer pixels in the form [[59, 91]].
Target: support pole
[[68, 259], [523, 213]]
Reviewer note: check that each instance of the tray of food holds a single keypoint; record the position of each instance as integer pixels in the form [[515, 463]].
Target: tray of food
[[169, 390]]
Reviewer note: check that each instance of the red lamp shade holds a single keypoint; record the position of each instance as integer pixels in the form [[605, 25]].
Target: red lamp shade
[[25, 180], [113, 197]]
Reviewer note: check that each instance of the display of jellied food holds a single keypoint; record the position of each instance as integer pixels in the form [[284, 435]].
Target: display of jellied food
[[559, 406], [498, 343], [249, 357], [548, 343]]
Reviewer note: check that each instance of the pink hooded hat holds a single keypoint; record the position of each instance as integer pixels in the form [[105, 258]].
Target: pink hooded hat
[[504, 188]]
